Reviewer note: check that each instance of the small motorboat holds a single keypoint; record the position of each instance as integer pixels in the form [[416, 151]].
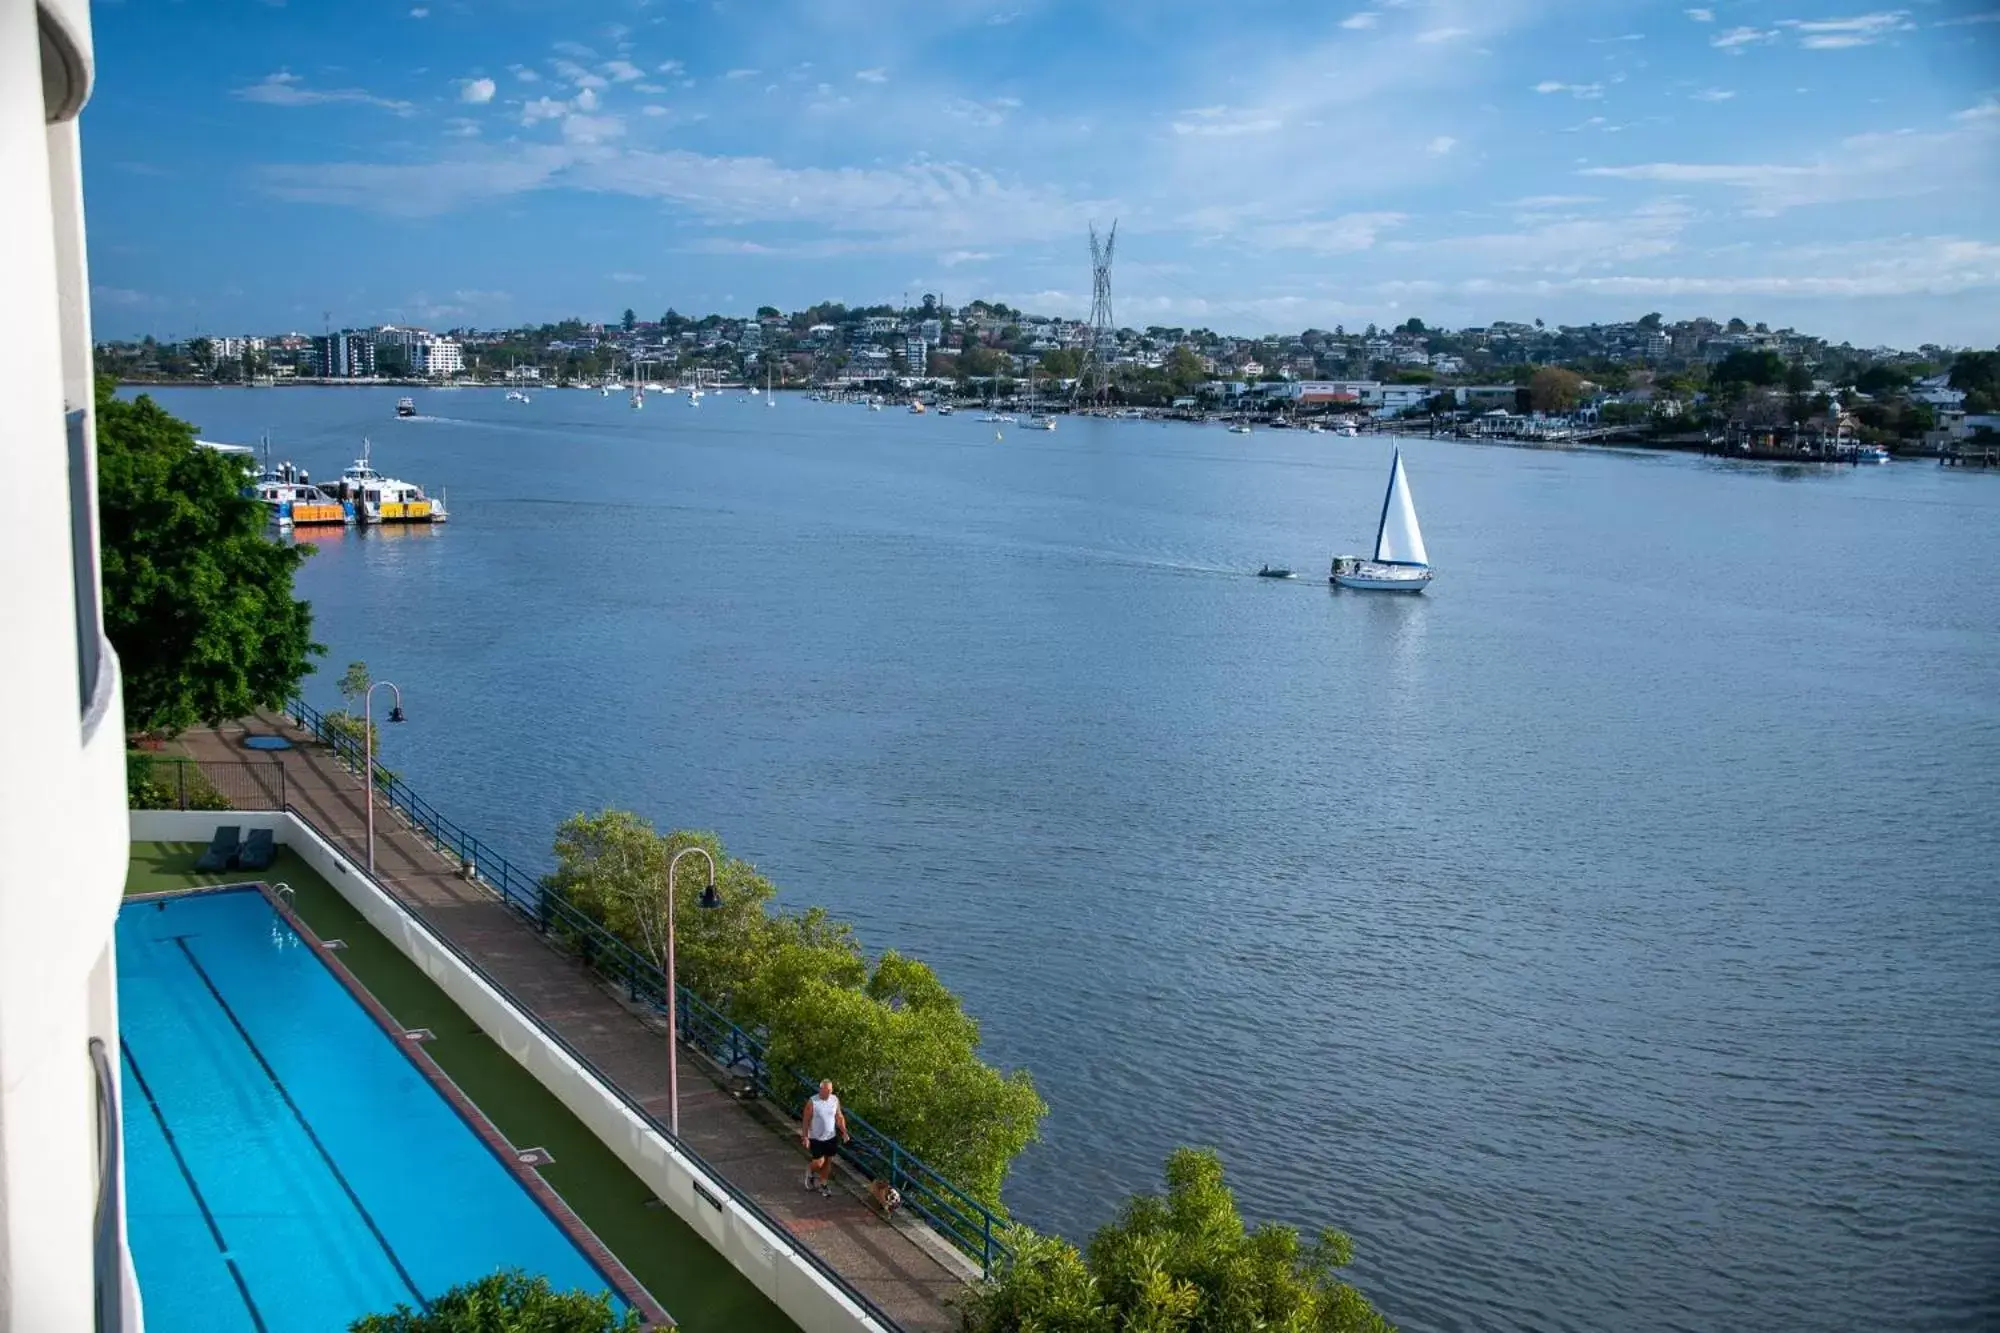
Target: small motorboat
[[406, 407], [1269, 573], [1240, 428]]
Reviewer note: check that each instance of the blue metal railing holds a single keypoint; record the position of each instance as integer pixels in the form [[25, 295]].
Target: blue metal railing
[[962, 1219]]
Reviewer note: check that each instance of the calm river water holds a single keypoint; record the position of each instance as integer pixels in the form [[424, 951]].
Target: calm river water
[[1608, 938]]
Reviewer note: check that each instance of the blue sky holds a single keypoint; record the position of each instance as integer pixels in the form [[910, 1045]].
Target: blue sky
[[1836, 167]]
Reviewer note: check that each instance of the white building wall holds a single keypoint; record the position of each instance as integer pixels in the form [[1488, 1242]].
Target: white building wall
[[64, 787]]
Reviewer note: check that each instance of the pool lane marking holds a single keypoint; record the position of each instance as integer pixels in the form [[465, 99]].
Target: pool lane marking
[[187, 1175], [304, 1124]]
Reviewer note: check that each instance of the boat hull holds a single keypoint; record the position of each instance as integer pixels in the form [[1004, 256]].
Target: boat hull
[[1371, 576]]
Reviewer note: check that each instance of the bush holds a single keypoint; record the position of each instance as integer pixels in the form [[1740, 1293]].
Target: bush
[[153, 783], [892, 1038], [509, 1302], [1179, 1263]]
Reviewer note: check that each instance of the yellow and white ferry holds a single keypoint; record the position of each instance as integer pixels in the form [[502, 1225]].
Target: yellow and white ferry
[[382, 499]]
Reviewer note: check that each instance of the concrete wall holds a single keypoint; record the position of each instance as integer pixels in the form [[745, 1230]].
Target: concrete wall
[[768, 1258]]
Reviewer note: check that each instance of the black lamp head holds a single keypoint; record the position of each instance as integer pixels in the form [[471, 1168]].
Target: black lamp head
[[710, 899], [396, 714]]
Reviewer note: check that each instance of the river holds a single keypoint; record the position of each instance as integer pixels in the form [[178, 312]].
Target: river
[[1607, 938]]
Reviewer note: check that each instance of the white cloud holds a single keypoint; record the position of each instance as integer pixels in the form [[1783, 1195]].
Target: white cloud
[[1350, 233], [1841, 34], [1223, 122], [543, 108], [1899, 266], [626, 277], [581, 129], [1362, 21], [1737, 39], [420, 13], [477, 91], [526, 75], [655, 110], [1441, 145], [623, 71], [585, 100], [671, 67], [1443, 34], [123, 296], [1700, 15], [953, 258], [651, 89], [743, 73], [285, 88], [1864, 166], [876, 75], [1989, 16], [1585, 92], [1563, 243], [578, 75], [985, 114], [1714, 95], [459, 127]]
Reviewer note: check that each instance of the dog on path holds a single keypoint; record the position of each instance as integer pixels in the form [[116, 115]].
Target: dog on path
[[886, 1197]]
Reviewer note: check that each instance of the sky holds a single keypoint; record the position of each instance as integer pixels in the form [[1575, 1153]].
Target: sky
[[266, 166]]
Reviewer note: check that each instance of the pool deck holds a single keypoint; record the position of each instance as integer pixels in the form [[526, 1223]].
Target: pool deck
[[896, 1266]]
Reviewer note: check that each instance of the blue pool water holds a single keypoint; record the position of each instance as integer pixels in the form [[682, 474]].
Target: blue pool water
[[288, 1167]]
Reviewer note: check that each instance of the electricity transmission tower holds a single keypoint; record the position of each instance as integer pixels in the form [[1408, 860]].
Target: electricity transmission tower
[[1094, 382]]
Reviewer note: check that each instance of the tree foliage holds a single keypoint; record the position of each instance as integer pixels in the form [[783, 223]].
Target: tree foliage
[[1182, 1262], [1761, 369], [1553, 389], [509, 1302], [891, 1036], [197, 597], [1977, 376]]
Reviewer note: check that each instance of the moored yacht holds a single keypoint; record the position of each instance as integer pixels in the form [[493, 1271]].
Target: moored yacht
[[381, 499], [1400, 562]]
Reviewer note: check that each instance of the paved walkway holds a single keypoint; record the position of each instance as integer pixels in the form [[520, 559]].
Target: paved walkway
[[894, 1266]]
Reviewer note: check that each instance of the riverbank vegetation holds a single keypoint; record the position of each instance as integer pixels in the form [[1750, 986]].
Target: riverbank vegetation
[[198, 598], [895, 1041], [1178, 1262]]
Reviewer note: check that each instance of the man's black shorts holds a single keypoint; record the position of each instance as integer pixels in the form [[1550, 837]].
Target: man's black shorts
[[824, 1148]]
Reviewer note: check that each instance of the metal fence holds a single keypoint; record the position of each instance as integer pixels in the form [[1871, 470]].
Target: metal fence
[[173, 782], [969, 1224]]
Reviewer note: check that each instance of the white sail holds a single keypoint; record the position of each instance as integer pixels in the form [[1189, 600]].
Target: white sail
[[1399, 540]]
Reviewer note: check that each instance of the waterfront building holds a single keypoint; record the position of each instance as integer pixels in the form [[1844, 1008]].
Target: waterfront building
[[346, 354], [916, 355], [64, 1263], [438, 358]]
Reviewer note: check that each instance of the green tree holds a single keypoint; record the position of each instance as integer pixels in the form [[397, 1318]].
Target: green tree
[[769, 312], [510, 1302], [197, 597], [1413, 325], [1183, 370], [892, 1037], [1650, 322], [1179, 1263], [1066, 363], [1553, 389], [1763, 369], [629, 319]]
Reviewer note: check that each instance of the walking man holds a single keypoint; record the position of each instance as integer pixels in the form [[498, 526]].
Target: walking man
[[818, 1127]]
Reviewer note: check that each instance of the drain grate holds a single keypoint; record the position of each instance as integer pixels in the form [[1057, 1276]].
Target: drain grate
[[334, 944], [420, 1034], [534, 1157]]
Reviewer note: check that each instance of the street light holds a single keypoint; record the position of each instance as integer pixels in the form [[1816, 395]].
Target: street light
[[368, 756], [709, 900]]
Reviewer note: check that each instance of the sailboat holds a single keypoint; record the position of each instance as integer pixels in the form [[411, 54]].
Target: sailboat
[[769, 401], [1400, 563]]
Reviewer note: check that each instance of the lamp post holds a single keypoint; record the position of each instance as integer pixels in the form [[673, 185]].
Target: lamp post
[[709, 899], [368, 756]]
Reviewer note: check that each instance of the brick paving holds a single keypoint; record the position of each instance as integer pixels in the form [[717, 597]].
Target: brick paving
[[908, 1272]]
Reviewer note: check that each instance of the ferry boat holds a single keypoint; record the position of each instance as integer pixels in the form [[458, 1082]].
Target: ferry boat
[[293, 501], [917, 407], [406, 407], [380, 499], [1042, 423]]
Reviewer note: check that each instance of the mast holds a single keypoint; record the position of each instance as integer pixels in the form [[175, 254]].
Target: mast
[[1388, 494]]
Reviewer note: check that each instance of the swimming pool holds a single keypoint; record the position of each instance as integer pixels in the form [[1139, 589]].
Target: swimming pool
[[288, 1167]]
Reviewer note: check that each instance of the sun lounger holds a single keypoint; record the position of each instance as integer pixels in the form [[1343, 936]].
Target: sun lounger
[[259, 850], [222, 848]]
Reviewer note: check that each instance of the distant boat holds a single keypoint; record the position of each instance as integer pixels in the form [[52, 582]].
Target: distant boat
[[944, 409], [406, 407], [1042, 423], [917, 407], [1400, 563], [1240, 428], [1269, 573]]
